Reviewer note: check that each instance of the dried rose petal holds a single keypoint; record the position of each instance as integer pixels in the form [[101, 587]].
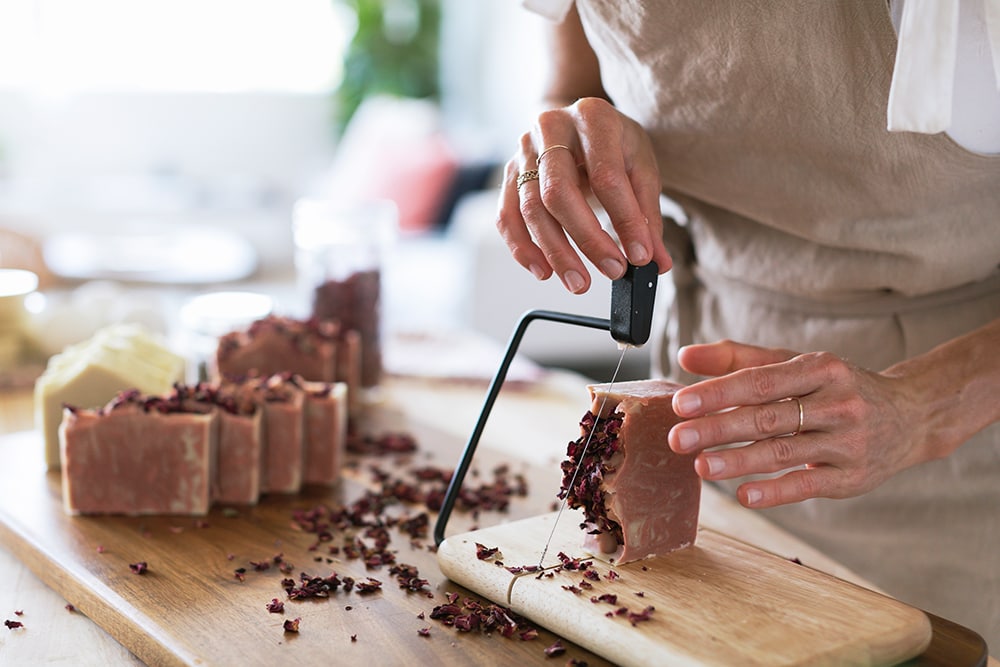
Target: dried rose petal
[[70, 608], [291, 625], [483, 552], [424, 632], [139, 568], [13, 625], [555, 649], [19, 612], [638, 617], [369, 586], [276, 606]]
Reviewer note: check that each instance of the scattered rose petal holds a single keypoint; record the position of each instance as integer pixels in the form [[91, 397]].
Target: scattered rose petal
[[638, 617], [139, 568], [555, 649], [291, 625], [276, 606], [13, 625], [483, 552]]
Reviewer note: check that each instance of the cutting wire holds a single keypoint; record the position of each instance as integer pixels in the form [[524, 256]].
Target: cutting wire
[[583, 454]]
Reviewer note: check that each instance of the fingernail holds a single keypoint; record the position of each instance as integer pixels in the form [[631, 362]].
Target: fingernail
[[715, 465], [688, 438], [637, 254], [688, 403], [573, 281], [613, 268], [537, 271], [753, 495]]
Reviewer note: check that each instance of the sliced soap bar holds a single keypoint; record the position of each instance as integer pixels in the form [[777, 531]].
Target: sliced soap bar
[[138, 456], [240, 439], [325, 431], [89, 374], [277, 344], [283, 433], [640, 499]]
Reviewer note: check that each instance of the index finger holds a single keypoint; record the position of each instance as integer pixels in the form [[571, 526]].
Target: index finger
[[563, 192], [624, 177], [756, 385]]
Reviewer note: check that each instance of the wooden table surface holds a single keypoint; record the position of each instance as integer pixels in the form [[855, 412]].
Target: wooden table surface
[[58, 636]]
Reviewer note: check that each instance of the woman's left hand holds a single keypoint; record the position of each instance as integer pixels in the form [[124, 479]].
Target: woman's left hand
[[838, 430]]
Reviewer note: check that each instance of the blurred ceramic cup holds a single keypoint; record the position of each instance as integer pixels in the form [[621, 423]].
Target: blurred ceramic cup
[[15, 286], [207, 317], [339, 254]]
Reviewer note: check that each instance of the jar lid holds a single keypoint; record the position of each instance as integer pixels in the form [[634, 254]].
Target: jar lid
[[219, 313]]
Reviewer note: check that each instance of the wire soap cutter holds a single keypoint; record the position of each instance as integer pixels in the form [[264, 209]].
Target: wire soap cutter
[[718, 602]]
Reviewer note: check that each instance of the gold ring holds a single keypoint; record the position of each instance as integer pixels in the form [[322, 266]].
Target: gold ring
[[802, 414], [524, 177], [538, 160]]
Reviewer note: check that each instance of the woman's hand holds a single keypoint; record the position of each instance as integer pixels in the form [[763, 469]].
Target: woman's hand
[[586, 147], [857, 428]]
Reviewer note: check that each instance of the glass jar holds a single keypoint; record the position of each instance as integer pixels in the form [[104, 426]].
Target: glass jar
[[339, 250]]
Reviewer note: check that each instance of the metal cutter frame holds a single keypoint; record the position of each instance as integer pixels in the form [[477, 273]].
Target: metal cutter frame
[[632, 298]]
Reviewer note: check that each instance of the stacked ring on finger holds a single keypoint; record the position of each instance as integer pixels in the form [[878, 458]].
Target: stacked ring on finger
[[538, 160], [525, 176], [802, 414]]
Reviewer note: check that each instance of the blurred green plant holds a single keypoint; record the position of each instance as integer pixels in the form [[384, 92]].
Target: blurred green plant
[[394, 51]]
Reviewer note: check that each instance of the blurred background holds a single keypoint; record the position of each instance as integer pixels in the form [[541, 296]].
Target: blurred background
[[152, 150]]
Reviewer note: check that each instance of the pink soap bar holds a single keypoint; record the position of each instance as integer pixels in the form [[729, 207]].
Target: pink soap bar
[[349, 355], [280, 345], [325, 431], [284, 433], [640, 499], [132, 458], [240, 446], [239, 437]]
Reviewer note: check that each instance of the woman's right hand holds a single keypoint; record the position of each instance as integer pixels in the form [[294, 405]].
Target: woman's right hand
[[589, 147]]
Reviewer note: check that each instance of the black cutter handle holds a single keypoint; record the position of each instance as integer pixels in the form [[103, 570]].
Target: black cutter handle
[[632, 298], [631, 316]]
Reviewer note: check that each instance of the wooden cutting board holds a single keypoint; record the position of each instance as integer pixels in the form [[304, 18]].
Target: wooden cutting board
[[190, 609], [719, 602]]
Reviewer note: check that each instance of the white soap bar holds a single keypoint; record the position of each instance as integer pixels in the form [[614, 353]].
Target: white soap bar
[[90, 374]]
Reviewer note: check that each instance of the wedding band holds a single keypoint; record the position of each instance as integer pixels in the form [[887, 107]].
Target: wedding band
[[524, 177], [802, 414], [538, 160]]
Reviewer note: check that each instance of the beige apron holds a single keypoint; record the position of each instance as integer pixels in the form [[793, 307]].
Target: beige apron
[[811, 227]]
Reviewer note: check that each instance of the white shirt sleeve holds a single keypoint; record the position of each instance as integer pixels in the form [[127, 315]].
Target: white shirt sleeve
[[554, 10], [922, 94]]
